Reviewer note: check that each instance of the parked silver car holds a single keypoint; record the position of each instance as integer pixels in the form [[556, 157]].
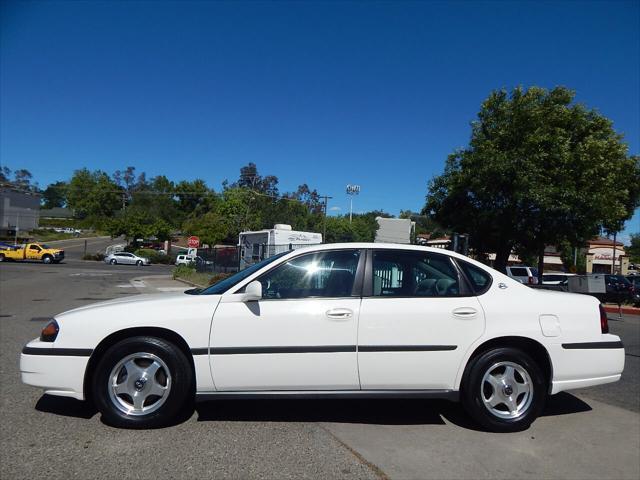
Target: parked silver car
[[126, 258]]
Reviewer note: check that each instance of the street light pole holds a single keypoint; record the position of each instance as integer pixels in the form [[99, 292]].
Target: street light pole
[[351, 191]]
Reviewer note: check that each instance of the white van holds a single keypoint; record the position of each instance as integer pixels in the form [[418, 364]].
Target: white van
[[526, 275], [185, 259]]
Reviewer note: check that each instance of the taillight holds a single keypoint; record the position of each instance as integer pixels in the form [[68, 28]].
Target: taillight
[[50, 332], [604, 321], [530, 280]]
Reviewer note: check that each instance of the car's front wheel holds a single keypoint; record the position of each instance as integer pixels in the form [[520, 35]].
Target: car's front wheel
[[504, 390], [142, 382], [113, 261], [139, 263]]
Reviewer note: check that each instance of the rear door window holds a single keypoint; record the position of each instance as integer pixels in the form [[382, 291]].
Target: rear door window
[[519, 271], [406, 273]]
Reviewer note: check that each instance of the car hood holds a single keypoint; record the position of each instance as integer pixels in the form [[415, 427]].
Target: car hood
[[162, 300]]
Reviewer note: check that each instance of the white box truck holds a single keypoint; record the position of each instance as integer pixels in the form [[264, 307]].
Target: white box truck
[[260, 244], [394, 230]]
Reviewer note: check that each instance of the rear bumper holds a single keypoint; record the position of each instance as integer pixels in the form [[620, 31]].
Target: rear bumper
[[57, 371], [580, 365]]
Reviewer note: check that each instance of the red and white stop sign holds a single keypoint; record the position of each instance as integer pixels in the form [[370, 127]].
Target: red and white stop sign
[[193, 242]]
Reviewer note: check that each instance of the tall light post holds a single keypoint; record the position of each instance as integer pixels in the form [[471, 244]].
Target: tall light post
[[351, 191]]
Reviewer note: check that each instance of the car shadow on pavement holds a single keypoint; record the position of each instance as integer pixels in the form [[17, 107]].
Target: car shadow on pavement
[[66, 407], [375, 412], [378, 412]]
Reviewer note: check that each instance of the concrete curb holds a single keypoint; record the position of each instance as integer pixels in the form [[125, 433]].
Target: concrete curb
[[625, 310], [189, 283]]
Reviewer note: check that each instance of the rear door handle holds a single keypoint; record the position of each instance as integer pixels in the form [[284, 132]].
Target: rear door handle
[[465, 313], [339, 313]]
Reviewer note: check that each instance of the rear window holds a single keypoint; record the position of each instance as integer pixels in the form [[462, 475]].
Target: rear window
[[480, 280], [519, 271]]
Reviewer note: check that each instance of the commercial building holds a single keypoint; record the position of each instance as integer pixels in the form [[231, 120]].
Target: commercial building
[[19, 211]]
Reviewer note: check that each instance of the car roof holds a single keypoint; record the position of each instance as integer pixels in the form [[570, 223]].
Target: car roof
[[378, 246]]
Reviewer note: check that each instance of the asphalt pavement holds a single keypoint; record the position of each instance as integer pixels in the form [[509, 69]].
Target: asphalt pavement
[[592, 433]]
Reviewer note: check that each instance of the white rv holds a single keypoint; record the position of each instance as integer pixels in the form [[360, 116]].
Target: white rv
[[394, 230], [260, 244]]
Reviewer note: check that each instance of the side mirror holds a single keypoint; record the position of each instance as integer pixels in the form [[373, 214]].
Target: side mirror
[[252, 292]]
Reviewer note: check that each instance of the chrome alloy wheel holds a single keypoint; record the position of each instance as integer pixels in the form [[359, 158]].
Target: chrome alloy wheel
[[139, 384], [506, 390]]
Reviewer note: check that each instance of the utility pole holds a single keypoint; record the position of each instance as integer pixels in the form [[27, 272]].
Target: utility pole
[[613, 262], [15, 240], [324, 226]]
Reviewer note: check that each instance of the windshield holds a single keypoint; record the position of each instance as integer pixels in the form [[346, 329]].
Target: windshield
[[224, 285]]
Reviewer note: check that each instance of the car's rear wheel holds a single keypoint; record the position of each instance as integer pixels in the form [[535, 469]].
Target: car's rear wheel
[[1, 257], [113, 261], [504, 390], [142, 382]]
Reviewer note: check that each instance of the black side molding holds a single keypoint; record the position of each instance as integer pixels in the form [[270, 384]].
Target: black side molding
[[320, 349], [591, 345], [58, 352], [405, 348], [283, 349]]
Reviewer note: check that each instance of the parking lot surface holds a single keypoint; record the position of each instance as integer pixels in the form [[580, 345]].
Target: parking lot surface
[[593, 433]]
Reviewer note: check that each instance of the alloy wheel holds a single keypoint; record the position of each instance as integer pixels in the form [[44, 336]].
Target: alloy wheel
[[139, 384], [507, 390]]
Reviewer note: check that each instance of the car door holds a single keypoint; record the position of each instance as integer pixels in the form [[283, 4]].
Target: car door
[[33, 252], [417, 319], [126, 258], [301, 335]]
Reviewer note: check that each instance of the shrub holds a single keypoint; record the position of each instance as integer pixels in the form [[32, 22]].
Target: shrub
[[183, 271], [154, 256], [218, 277], [98, 257]]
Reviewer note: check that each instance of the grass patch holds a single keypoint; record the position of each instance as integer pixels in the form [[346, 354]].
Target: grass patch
[[188, 273], [42, 235]]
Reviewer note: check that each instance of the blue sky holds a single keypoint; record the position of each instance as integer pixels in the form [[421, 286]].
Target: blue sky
[[328, 93]]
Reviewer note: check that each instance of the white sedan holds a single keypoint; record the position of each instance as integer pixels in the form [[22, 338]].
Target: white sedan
[[352, 320]]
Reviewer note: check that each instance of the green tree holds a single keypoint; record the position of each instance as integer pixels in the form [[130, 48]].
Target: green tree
[[633, 250], [194, 196], [93, 195], [539, 170], [136, 224], [54, 195], [211, 228]]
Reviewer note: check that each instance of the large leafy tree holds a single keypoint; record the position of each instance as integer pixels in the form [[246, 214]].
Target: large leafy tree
[[211, 228], [539, 170], [136, 224], [633, 250], [93, 195], [54, 195]]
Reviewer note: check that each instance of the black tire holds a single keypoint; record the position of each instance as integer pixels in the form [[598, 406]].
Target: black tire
[[180, 381], [139, 263], [113, 261], [475, 390], [47, 259], [1, 257]]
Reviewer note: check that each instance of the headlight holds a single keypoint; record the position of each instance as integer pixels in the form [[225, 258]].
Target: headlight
[[50, 331]]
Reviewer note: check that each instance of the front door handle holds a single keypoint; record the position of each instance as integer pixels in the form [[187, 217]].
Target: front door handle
[[465, 313], [339, 313]]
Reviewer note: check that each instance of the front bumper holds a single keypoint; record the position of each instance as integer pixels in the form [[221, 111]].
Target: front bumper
[[58, 371]]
